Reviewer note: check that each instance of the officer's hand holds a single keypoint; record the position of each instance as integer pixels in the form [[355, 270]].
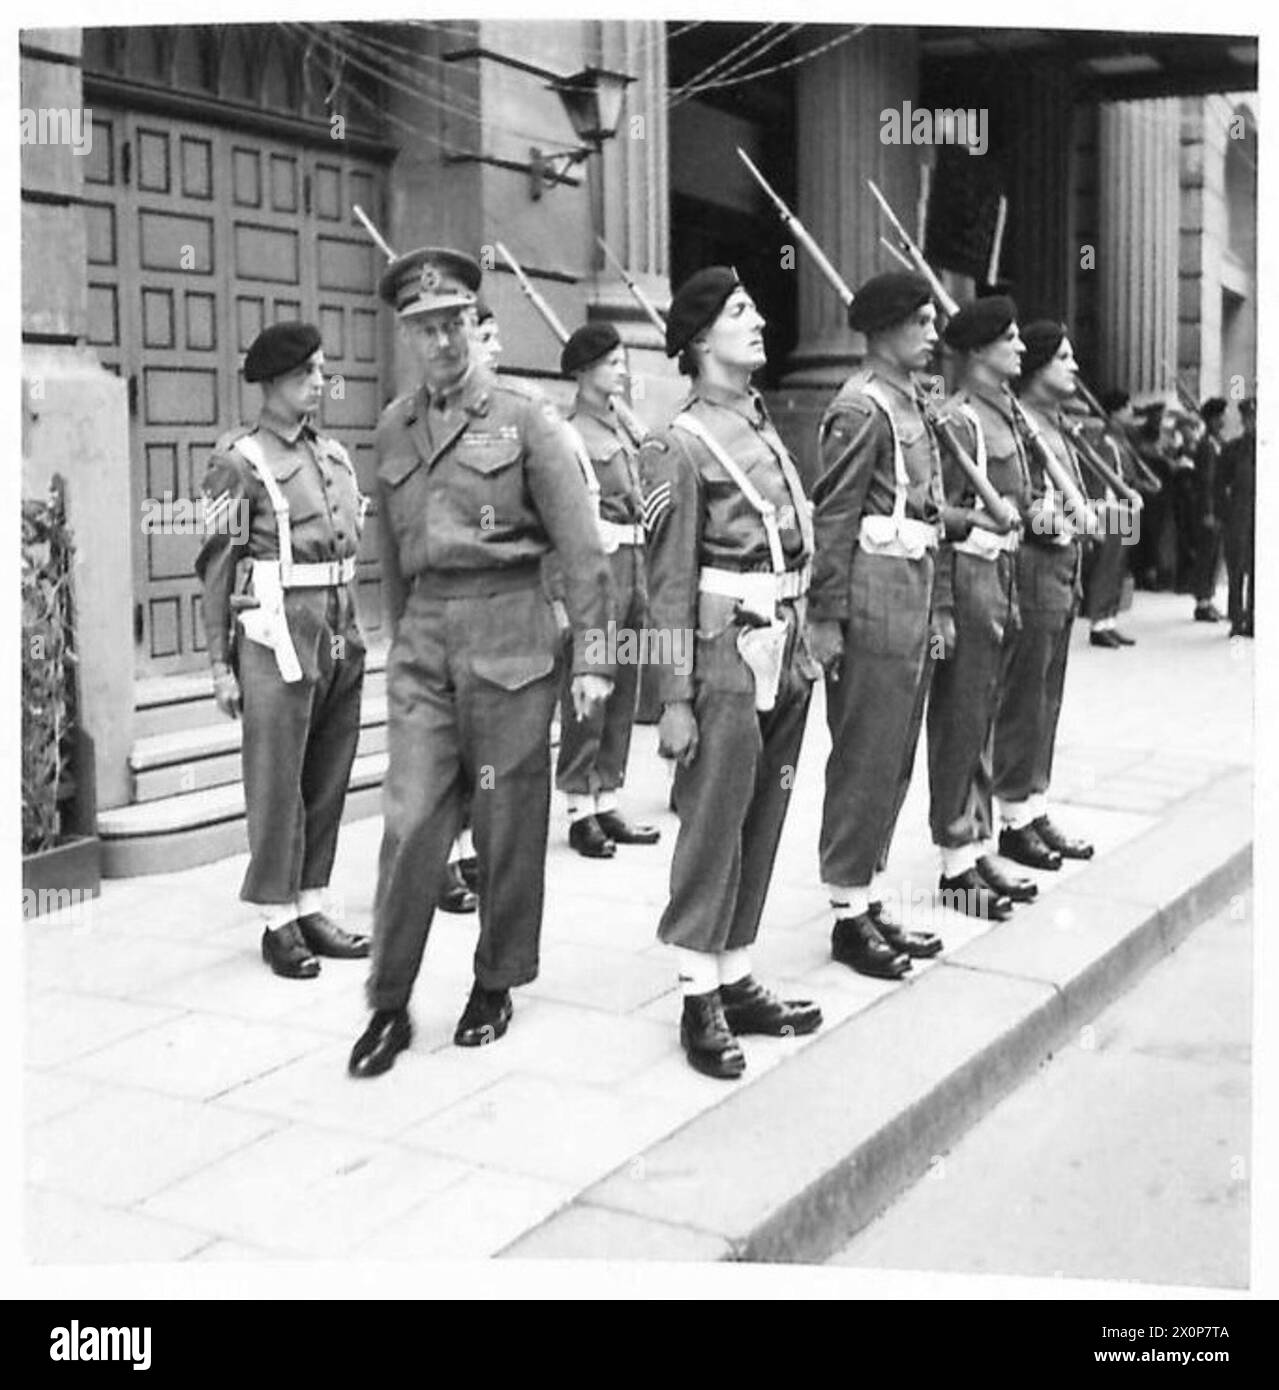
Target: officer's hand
[[677, 732], [226, 692], [826, 642], [941, 636], [589, 693]]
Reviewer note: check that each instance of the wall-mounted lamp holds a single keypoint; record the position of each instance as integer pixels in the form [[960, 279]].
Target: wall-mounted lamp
[[592, 99]]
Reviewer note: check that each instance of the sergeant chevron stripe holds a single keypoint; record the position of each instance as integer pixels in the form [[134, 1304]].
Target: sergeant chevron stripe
[[215, 508], [656, 504]]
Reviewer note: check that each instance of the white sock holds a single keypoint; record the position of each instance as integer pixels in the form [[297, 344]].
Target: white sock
[[1038, 803], [311, 900], [1014, 814], [958, 859], [985, 848], [465, 846], [849, 902], [605, 801], [273, 916], [733, 966], [698, 970], [578, 805]]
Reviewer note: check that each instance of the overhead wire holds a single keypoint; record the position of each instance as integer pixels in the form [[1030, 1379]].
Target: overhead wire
[[722, 61], [690, 89], [794, 62]]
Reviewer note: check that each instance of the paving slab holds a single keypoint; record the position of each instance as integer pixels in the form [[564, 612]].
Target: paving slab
[[203, 1104]]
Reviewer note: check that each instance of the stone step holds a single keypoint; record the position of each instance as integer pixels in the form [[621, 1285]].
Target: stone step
[[170, 704], [190, 760], [180, 831]]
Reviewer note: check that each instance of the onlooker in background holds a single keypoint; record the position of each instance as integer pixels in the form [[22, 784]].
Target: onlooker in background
[[1236, 505], [1182, 434], [1149, 568], [1208, 557], [1105, 564]]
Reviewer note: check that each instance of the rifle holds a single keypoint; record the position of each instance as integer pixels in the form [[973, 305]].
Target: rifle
[[1102, 469], [378, 240], [1139, 464], [1188, 403], [1001, 511], [800, 232], [1060, 478], [630, 421], [899, 256], [534, 297], [645, 303], [940, 293]]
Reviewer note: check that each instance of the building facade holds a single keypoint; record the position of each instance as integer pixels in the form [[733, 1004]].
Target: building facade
[[215, 197]]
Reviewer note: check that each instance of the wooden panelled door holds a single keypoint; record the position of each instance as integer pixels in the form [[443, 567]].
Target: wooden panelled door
[[198, 237]]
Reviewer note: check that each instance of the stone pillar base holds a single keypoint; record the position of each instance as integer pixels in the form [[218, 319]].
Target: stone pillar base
[[76, 423]]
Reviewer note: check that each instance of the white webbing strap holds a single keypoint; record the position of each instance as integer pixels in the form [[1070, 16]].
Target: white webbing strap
[[767, 512], [252, 451], [901, 478]]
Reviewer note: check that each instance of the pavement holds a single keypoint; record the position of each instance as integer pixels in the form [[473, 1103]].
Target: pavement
[[182, 1104], [1103, 1127]]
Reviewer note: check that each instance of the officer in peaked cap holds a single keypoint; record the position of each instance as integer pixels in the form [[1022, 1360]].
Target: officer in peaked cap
[[476, 483], [281, 503], [591, 766]]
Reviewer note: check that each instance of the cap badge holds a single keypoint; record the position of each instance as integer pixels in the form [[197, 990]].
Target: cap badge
[[430, 279]]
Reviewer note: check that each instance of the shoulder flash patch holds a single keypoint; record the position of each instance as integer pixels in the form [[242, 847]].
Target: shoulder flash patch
[[227, 440]]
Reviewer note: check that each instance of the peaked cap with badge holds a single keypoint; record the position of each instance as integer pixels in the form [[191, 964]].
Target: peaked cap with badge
[[430, 278]]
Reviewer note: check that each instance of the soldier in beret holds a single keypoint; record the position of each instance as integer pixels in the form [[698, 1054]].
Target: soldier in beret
[[284, 500], [593, 752], [729, 545], [476, 483], [1048, 586], [879, 513], [964, 694]]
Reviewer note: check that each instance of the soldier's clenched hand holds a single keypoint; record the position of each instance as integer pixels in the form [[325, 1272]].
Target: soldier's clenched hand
[[677, 733], [589, 693], [826, 642], [226, 692]]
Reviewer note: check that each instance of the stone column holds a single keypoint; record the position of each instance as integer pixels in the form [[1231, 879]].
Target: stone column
[[1139, 145], [632, 205], [840, 98], [75, 418]]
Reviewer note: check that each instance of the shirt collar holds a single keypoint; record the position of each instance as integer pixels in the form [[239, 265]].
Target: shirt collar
[[470, 393], [999, 398], [607, 417], [748, 404], [902, 382], [288, 430]]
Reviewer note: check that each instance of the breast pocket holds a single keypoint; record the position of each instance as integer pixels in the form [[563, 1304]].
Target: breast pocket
[[488, 475], [404, 478]]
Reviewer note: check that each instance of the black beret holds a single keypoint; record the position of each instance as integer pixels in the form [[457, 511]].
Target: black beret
[[979, 322], [697, 302], [1213, 407], [587, 345], [887, 299], [1042, 339], [279, 349]]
